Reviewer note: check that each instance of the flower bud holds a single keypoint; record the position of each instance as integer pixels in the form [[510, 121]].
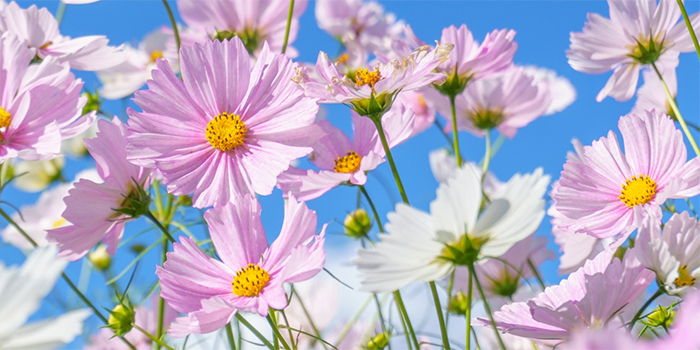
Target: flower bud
[[357, 224], [100, 259], [185, 201], [121, 319], [379, 341], [94, 102], [661, 316], [458, 304]]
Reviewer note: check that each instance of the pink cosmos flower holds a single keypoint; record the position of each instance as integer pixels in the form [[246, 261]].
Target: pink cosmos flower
[[652, 94], [253, 21], [422, 107], [607, 192], [358, 23], [341, 160], [39, 104], [506, 103], [146, 318], [250, 276], [40, 29], [90, 206], [637, 34], [590, 298], [561, 91], [229, 129]]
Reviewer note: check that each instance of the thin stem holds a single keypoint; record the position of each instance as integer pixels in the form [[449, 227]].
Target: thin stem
[[636, 317], [439, 126], [158, 342], [289, 330], [250, 327], [454, 131], [646, 326], [468, 311], [402, 310], [690, 27], [60, 12], [176, 32], [289, 25], [674, 107], [536, 273], [472, 272], [161, 301], [380, 130], [441, 318], [371, 205], [150, 216], [450, 285], [487, 156], [273, 325], [351, 322], [381, 317], [229, 334]]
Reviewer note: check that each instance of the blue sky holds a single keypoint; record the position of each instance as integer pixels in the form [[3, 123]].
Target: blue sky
[[543, 29]]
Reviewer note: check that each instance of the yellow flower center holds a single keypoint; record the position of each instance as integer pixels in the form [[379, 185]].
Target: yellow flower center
[[367, 77], [156, 55], [348, 163], [486, 119], [684, 278], [226, 131], [343, 59], [60, 222], [5, 118], [637, 190], [249, 281]]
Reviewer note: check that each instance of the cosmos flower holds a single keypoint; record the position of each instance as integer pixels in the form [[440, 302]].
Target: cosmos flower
[[637, 34], [124, 79], [94, 210], [653, 96], [253, 21], [342, 161], [591, 297], [22, 290], [38, 175], [40, 29], [39, 105], [250, 275], [606, 192], [561, 91], [230, 128], [673, 255], [424, 247]]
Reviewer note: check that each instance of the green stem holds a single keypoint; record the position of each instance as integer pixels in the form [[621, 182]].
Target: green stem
[[472, 272], [250, 327], [441, 318], [161, 301], [674, 107], [487, 156], [229, 334], [690, 27], [289, 26], [60, 12], [289, 330], [351, 322], [273, 324], [158, 342], [176, 32], [381, 317], [636, 317], [536, 273], [454, 130], [642, 332], [65, 277], [150, 216], [380, 130], [468, 312], [402, 310], [371, 205]]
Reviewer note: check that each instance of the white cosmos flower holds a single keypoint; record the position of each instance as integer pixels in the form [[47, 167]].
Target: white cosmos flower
[[425, 247], [21, 292], [39, 174], [673, 255]]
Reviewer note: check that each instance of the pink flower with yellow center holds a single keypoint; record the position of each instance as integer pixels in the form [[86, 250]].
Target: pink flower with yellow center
[[250, 275], [607, 192], [228, 129]]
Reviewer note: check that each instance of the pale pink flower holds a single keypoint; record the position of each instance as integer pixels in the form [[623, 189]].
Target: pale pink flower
[[614, 43], [358, 23], [591, 297], [422, 107], [40, 29], [561, 91], [90, 206], [506, 103], [40, 105], [652, 94], [230, 128], [674, 255], [343, 161], [250, 276], [253, 21], [606, 192]]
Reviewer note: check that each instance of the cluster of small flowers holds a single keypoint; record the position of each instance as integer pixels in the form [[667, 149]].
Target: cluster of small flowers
[[227, 113]]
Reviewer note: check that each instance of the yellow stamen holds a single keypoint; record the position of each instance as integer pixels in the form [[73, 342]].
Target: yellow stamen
[[367, 77], [637, 190], [249, 281], [343, 59], [45, 45], [60, 222], [156, 55], [226, 131], [348, 163], [5, 120], [684, 278]]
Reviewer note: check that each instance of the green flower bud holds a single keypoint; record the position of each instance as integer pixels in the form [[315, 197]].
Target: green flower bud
[[357, 224], [100, 259], [94, 102], [185, 201], [121, 319], [661, 317], [138, 248], [379, 341], [458, 304]]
